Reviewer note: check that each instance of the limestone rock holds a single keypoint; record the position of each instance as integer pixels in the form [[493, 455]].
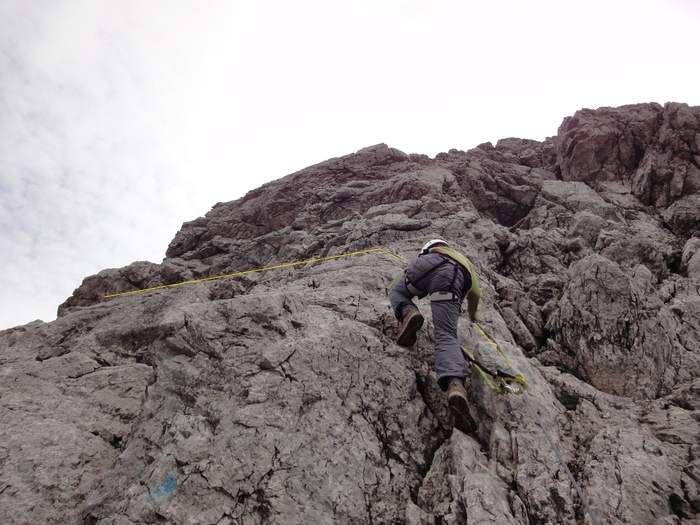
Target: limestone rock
[[279, 396]]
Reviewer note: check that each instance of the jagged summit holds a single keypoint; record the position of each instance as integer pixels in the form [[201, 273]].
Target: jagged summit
[[280, 396]]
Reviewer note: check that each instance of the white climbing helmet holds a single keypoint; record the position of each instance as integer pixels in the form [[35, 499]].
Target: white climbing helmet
[[431, 243]]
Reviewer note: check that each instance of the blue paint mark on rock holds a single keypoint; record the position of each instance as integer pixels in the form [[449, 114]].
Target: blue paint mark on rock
[[165, 488]]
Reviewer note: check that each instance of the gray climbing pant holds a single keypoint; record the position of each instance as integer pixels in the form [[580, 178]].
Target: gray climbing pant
[[449, 360]]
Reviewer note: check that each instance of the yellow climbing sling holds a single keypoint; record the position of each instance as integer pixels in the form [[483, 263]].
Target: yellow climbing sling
[[503, 382]]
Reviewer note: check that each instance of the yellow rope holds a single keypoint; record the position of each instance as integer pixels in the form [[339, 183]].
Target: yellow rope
[[257, 270], [493, 344]]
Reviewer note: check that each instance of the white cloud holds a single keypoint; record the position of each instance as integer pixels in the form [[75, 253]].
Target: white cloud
[[121, 119]]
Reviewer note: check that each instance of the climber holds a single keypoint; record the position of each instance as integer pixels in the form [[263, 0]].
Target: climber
[[448, 278]]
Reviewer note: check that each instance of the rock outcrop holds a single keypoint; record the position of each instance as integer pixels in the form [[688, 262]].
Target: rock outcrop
[[280, 397]]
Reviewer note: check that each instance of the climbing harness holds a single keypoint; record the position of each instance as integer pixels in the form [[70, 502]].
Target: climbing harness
[[436, 297], [413, 282]]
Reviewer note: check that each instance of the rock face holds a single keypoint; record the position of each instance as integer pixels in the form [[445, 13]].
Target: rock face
[[280, 397]]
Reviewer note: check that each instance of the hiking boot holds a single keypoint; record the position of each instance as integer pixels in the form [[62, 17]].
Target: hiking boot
[[412, 321], [457, 399]]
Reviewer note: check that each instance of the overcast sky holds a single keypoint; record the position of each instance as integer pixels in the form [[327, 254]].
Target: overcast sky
[[122, 119]]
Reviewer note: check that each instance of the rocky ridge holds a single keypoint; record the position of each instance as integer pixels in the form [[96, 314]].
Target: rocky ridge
[[280, 397]]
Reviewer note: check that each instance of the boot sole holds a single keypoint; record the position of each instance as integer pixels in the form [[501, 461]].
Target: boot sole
[[463, 419], [409, 337]]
